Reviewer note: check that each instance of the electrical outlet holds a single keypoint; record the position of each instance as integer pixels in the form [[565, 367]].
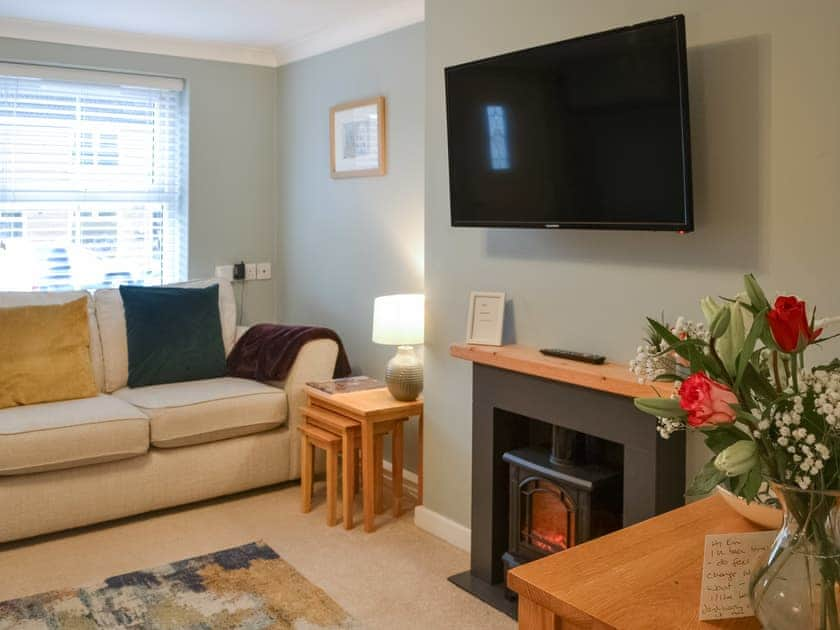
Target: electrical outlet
[[264, 271], [224, 271], [250, 271]]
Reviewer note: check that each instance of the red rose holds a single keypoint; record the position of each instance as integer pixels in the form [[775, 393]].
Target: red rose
[[706, 401], [789, 324]]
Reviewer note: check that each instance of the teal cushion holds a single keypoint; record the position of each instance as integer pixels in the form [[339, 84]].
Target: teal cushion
[[173, 334]]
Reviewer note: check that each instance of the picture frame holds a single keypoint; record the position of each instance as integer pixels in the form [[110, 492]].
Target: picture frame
[[485, 321], [357, 138]]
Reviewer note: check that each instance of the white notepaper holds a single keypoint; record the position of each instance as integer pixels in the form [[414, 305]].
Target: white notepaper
[[728, 560]]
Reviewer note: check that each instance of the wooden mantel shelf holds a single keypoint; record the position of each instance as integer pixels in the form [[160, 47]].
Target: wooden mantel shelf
[[609, 377]]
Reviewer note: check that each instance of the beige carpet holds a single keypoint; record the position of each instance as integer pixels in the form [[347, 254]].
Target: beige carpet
[[393, 578]]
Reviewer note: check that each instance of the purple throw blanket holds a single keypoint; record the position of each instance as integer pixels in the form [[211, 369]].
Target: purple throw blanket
[[266, 352]]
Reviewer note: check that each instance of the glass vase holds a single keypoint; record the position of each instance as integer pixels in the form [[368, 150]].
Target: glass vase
[[794, 586]]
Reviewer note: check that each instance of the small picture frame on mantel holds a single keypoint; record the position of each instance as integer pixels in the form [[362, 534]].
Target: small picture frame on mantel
[[486, 318], [357, 138]]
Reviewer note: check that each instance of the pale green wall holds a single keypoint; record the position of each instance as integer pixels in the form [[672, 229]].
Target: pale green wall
[[344, 242], [232, 163], [765, 86]]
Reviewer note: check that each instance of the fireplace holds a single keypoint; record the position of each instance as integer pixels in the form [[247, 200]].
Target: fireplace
[[562, 496], [609, 470]]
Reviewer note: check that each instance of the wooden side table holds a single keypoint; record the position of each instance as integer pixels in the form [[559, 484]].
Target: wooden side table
[[369, 408], [640, 577]]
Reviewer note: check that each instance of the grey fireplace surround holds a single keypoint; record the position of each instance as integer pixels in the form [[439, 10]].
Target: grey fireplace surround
[[653, 468]]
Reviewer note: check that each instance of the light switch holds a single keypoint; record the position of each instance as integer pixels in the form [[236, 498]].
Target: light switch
[[250, 271], [264, 271]]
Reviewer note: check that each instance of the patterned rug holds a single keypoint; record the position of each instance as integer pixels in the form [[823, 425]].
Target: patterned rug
[[247, 588]]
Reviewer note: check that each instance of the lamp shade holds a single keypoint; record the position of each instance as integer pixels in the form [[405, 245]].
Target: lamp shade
[[398, 319]]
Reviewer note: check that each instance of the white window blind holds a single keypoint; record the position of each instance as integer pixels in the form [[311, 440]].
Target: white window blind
[[92, 181]]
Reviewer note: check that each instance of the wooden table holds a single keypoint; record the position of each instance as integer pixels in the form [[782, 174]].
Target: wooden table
[[368, 408], [641, 577]]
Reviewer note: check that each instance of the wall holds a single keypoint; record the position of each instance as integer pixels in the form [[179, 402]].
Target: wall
[[764, 86], [232, 180], [344, 242]]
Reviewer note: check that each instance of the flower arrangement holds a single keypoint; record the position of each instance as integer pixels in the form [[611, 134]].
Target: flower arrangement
[[765, 415]]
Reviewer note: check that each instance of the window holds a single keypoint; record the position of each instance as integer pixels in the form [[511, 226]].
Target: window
[[92, 182]]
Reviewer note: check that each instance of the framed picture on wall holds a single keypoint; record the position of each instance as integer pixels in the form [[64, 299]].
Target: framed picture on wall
[[357, 138], [486, 318]]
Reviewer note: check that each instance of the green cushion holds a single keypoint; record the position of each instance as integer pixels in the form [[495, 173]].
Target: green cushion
[[173, 334]]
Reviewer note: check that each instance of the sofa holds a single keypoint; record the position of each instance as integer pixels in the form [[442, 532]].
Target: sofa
[[127, 451]]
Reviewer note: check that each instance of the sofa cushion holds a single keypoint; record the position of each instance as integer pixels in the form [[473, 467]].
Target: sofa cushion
[[195, 412], [45, 354], [174, 334], [70, 433], [110, 315], [39, 298]]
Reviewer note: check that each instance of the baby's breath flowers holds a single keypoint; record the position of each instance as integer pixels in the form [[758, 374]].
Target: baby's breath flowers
[[801, 424], [654, 358]]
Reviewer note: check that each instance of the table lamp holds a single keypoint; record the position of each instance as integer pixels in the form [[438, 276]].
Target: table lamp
[[398, 321]]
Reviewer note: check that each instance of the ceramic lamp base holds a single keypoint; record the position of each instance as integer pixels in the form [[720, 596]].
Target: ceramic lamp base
[[404, 374]]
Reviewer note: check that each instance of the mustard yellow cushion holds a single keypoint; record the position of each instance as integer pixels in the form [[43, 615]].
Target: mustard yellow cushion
[[45, 354]]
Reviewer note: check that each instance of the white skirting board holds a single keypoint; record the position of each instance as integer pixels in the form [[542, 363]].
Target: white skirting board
[[428, 520], [442, 527]]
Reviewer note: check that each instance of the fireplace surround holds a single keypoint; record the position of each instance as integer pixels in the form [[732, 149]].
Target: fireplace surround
[[513, 415]]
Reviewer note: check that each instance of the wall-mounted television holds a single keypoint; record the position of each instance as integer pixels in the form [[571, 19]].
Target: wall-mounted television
[[591, 132]]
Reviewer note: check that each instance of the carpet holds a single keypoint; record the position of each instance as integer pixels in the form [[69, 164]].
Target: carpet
[[247, 588]]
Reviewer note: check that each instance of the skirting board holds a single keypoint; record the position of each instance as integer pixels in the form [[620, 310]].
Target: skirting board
[[442, 527], [409, 478]]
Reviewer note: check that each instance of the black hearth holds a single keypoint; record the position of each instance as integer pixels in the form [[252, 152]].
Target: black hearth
[[562, 496], [513, 417]]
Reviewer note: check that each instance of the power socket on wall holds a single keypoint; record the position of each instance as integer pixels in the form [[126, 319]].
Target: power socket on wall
[[244, 271]]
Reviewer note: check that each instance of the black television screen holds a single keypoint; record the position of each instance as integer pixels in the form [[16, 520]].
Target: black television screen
[[590, 132]]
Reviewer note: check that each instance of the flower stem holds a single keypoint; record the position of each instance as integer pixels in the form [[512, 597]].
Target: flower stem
[[776, 371]]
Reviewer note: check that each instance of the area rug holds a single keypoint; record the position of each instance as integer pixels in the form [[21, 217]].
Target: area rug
[[247, 588]]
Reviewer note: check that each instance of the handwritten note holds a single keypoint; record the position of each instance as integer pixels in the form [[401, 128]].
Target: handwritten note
[[728, 560]]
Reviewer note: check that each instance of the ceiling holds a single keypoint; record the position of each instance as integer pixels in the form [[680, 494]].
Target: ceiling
[[263, 32]]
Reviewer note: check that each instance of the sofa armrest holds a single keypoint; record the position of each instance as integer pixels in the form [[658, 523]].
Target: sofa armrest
[[315, 362], [240, 330]]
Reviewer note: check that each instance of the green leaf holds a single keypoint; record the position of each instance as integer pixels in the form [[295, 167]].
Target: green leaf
[[661, 407], [722, 436], [663, 331], [739, 484], [758, 327], [705, 481], [720, 323], [755, 293], [751, 484], [743, 416], [710, 309], [757, 383]]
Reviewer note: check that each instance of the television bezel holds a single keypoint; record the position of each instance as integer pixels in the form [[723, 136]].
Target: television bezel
[[687, 225]]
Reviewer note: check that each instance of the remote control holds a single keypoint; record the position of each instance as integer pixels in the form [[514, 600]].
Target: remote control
[[585, 357]]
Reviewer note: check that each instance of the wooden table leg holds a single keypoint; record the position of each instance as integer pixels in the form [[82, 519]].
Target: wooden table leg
[[305, 474], [368, 474], [379, 454], [420, 458], [348, 479], [532, 616], [332, 484], [397, 466]]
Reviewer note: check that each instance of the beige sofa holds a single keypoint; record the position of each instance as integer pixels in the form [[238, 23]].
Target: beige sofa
[[128, 451]]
